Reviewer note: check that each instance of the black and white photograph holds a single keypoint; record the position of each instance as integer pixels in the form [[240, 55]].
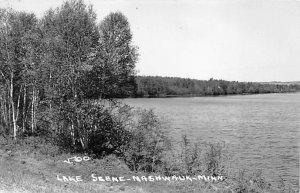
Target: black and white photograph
[[149, 96]]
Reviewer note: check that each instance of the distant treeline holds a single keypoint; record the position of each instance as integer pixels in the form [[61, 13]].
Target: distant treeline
[[156, 86]]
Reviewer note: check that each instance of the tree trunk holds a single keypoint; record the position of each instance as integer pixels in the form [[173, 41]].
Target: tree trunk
[[24, 110], [9, 121], [73, 133], [32, 111], [13, 106]]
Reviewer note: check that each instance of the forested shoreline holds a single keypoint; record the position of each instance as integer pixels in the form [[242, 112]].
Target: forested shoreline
[[55, 68], [60, 79], [157, 86]]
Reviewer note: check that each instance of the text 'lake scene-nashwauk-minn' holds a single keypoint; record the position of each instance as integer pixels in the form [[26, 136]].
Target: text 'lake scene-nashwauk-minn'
[[137, 96]]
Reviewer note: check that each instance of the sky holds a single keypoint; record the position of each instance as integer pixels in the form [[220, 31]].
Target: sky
[[242, 40]]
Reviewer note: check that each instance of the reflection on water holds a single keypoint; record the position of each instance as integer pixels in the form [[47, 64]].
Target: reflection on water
[[262, 130]]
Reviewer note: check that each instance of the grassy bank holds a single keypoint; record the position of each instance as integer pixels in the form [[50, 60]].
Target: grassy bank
[[29, 166], [28, 171]]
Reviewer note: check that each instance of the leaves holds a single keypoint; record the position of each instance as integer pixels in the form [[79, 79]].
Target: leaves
[[115, 60], [53, 67]]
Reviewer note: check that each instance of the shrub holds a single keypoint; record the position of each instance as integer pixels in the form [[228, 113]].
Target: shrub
[[148, 142], [90, 127], [285, 187], [246, 182], [191, 158], [184, 159], [215, 159]]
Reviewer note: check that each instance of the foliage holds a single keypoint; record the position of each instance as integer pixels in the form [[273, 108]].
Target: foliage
[[250, 182], [60, 75], [112, 74], [167, 86], [215, 159], [285, 187], [51, 69], [190, 158], [18, 38], [70, 38], [148, 143], [97, 131]]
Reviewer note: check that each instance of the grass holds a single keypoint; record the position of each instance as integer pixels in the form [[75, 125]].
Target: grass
[[32, 167], [23, 172]]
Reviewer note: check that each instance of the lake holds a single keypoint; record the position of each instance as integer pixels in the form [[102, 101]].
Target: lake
[[262, 131]]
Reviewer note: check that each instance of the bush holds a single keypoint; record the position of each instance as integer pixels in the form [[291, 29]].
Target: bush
[[284, 187], [91, 127], [215, 159], [147, 144], [184, 159], [191, 158], [246, 182]]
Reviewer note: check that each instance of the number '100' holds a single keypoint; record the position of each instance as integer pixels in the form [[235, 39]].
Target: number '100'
[[77, 159]]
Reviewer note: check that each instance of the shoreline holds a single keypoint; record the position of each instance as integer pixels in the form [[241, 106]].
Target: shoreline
[[196, 95]]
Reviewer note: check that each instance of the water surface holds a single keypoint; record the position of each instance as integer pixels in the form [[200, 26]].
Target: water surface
[[262, 130]]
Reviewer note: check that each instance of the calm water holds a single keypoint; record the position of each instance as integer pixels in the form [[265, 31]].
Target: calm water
[[262, 130]]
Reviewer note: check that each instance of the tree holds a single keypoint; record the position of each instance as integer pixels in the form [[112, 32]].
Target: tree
[[113, 71], [70, 37], [16, 32]]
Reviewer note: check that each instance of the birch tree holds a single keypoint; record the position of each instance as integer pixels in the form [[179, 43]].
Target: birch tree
[[17, 29], [113, 71], [70, 37], [9, 64]]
